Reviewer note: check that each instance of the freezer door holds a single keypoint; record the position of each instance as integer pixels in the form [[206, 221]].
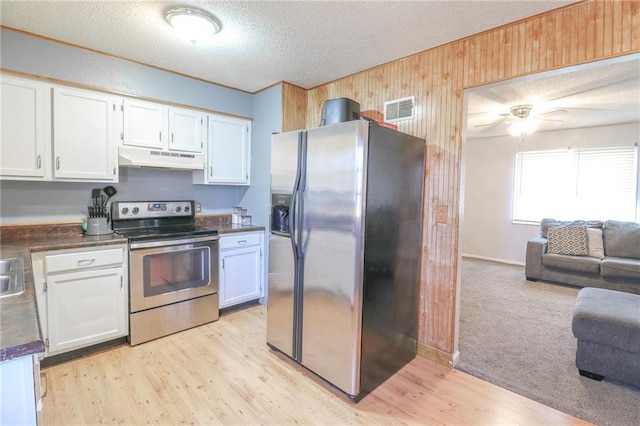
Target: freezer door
[[280, 301], [332, 237]]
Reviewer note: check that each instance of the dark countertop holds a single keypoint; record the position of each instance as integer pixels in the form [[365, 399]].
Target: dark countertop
[[20, 333], [19, 330]]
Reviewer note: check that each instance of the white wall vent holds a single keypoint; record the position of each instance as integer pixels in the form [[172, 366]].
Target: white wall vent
[[399, 109]]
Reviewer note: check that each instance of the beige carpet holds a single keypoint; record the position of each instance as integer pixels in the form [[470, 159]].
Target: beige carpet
[[517, 334]]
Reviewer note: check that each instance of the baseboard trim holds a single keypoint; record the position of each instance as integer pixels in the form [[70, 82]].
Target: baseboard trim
[[437, 355], [493, 259]]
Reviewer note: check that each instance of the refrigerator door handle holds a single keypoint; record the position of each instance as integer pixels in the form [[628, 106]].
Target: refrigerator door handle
[[295, 218], [293, 213]]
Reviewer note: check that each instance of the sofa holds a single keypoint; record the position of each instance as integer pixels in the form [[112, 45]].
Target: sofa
[[586, 254]]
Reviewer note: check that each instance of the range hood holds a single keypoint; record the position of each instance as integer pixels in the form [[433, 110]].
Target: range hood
[[129, 156]]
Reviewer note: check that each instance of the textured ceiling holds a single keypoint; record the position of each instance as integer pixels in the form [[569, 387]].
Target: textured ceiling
[[307, 43], [596, 94]]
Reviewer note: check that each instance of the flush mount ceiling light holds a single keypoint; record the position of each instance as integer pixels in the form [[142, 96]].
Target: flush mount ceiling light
[[195, 25]]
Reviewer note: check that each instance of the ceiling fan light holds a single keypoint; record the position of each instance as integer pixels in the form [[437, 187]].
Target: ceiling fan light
[[522, 127], [193, 24]]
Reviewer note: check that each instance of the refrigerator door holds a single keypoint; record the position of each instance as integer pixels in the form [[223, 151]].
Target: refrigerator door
[[332, 242], [281, 285]]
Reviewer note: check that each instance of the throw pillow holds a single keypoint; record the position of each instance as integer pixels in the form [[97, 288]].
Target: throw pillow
[[596, 245], [571, 240]]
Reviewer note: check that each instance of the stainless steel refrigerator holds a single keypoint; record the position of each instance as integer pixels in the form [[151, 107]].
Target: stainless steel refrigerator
[[344, 251]]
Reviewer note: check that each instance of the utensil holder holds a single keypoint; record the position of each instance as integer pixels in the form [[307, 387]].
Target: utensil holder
[[98, 226]]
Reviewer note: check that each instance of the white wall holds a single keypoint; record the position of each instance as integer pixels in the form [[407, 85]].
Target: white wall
[[487, 230]]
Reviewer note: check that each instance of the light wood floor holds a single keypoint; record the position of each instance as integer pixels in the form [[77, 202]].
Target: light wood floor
[[224, 373]]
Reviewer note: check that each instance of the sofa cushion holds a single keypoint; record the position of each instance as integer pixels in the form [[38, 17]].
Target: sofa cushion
[[619, 267], [548, 222], [583, 264], [622, 239], [608, 317], [568, 240], [595, 242]]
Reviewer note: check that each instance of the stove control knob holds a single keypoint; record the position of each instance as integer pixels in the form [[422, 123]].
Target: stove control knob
[[124, 210], [178, 209], [187, 208], [135, 210]]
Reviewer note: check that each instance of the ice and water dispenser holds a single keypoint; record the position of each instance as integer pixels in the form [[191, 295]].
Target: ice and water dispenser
[[280, 213]]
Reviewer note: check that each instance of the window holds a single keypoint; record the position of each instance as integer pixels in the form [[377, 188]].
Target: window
[[586, 183]]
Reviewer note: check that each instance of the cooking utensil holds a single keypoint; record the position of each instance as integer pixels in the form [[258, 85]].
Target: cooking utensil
[[95, 195], [110, 191]]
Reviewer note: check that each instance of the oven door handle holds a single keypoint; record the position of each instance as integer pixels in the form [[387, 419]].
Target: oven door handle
[[165, 243]]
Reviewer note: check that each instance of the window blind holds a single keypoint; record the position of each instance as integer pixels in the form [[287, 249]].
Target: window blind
[[587, 183]]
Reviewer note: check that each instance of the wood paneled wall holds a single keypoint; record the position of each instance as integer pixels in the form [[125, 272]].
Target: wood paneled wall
[[576, 34], [294, 107]]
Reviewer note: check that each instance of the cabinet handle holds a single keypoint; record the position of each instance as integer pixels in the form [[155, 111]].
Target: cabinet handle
[[121, 281], [160, 136], [39, 161], [210, 171], [242, 242], [171, 137], [85, 262], [57, 163], [43, 375], [114, 171], [222, 263]]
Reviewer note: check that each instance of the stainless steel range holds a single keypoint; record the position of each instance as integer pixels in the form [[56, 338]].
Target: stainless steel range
[[173, 267]]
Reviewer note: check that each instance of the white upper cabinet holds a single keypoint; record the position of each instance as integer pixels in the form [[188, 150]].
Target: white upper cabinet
[[157, 126], [228, 160], [186, 130], [145, 124], [84, 136], [25, 141]]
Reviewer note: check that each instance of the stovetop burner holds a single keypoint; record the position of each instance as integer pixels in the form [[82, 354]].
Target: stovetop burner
[[156, 220], [167, 232]]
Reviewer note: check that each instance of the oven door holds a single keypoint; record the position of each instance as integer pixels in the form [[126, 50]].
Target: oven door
[[167, 272]]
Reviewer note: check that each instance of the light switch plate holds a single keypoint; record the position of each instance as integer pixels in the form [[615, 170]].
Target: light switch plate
[[441, 214], [198, 207]]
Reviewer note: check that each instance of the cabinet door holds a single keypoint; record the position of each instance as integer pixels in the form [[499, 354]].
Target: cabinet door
[[229, 156], [84, 147], [144, 124], [22, 141], [240, 275], [18, 403], [186, 130], [85, 308]]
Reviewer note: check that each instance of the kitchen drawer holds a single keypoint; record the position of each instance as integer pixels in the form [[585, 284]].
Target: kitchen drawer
[[83, 260], [239, 240]]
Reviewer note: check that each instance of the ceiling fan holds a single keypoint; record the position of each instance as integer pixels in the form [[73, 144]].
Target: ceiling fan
[[520, 120]]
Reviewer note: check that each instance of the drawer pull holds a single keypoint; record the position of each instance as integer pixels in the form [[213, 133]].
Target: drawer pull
[[242, 242], [85, 262]]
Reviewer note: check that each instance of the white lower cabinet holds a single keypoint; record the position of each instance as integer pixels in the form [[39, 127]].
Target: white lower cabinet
[[241, 268], [82, 296], [21, 402]]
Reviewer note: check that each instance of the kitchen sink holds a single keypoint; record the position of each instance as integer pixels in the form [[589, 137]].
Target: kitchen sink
[[11, 277]]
